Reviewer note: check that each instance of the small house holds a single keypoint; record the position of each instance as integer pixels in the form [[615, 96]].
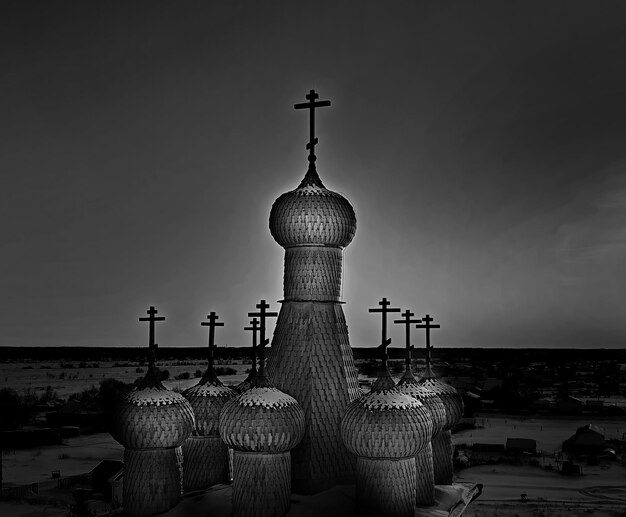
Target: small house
[[588, 439], [521, 446]]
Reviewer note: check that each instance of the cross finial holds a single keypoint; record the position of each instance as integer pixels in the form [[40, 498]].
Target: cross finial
[[313, 103], [254, 327], [384, 310], [212, 323], [427, 325], [152, 346], [407, 321], [262, 315]]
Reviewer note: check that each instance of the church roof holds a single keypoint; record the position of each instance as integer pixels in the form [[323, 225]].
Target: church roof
[[151, 416], [311, 214], [262, 419], [386, 423]]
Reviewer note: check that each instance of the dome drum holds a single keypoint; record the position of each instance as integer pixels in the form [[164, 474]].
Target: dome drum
[[262, 484], [312, 273], [152, 481], [425, 486], [205, 461], [443, 458], [386, 487]]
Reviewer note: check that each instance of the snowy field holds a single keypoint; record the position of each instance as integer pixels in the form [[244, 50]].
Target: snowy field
[[37, 376], [600, 491]]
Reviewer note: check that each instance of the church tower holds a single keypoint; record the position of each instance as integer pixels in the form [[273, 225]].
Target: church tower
[[310, 357]]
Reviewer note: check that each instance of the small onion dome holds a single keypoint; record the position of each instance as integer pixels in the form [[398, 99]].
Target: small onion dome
[[409, 386], [207, 398], [386, 423], [151, 416], [312, 215], [450, 397], [262, 419]]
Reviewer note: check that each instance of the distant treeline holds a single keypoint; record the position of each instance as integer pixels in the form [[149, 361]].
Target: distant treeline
[[454, 355]]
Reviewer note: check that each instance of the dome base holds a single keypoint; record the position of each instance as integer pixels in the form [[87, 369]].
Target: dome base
[[261, 484], [425, 488], [152, 481], [386, 487], [205, 462], [443, 453]]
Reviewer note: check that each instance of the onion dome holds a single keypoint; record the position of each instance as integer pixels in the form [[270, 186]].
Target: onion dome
[[452, 400], [409, 386], [312, 215], [207, 398], [151, 416], [386, 423], [262, 419]]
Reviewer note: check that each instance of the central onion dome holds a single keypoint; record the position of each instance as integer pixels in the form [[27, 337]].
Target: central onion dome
[[386, 423], [262, 419], [151, 416], [312, 215]]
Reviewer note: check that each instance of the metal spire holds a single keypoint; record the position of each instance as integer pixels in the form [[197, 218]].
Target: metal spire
[[212, 323], [262, 314], [152, 346], [385, 342], [427, 325], [407, 322], [313, 103]]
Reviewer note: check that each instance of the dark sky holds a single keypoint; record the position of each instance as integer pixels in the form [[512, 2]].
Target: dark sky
[[482, 144]]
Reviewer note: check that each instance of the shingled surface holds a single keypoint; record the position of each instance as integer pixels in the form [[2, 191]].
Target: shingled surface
[[311, 360]]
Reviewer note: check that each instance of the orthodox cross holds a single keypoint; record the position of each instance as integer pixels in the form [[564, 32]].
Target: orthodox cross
[[212, 323], [262, 315], [427, 325], [152, 346], [384, 310], [311, 105], [254, 326], [407, 321]]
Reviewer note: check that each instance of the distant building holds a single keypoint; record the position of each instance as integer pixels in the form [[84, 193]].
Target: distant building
[[521, 445], [102, 473], [491, 383], [588, 439], [569, 405], [542, 405], [615, 410], [594, 406], [489, 447]]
